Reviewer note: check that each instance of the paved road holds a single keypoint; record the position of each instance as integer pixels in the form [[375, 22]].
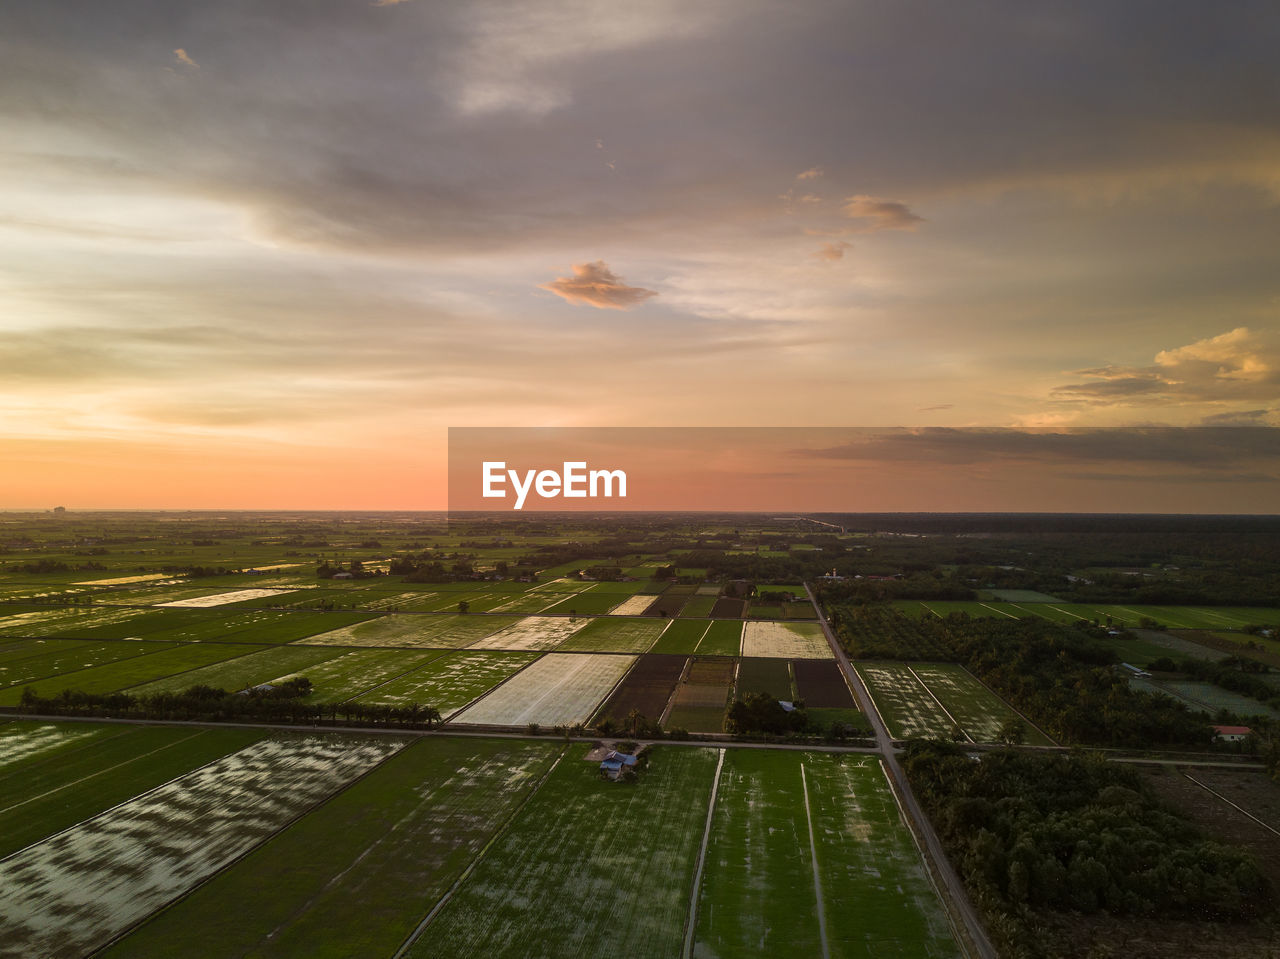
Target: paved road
[[963, 912]]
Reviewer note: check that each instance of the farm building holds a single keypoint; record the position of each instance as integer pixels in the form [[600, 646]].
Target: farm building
[[612, 765], [1136, 671], [1230, 734]]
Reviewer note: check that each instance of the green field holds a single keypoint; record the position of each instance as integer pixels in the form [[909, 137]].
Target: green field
[[681, 636], [355, 876], [410, 630], [1171, 617], [451, 681], [65, 659], [130, 671], [978, 710], [359, 671], [244, 671], [724, 638], [615, 634], [586, 867], [761, 893], [699, 606], [771, 676]]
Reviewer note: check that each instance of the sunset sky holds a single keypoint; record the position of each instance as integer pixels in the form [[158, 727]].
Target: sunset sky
[[263, 253]]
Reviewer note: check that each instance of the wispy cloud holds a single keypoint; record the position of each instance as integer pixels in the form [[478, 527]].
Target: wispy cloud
[[880, 214], [810, 174], [831, 252], [184, 59], [594, 284]]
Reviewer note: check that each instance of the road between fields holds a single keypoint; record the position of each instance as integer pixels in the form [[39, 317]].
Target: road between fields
[[964, 915]]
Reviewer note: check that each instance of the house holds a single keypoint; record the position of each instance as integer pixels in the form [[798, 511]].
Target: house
[[612, 765], [344, 575], [1230, 734]]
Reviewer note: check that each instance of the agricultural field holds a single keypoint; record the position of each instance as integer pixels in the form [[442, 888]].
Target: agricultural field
[[450, 682], [414, 630], [772, 676], [590, 602], [977, 709], [646, 689], [682, 636], [533, 632], [785, 641], [932, 700], [633, 605], [904, 702], [1128, 616], [244, 671], [609, 634], [61, 621], [225, 599], [57, 775], [77, 890], [821, 684], [359, 671], [1204, 697], [722, 638], [560, 689], [808, 856], [586, 865], [357, 875], [130, 671], [68, 657], [700, 700], [698, 606]]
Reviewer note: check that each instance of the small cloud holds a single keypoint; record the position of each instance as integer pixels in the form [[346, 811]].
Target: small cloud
[[830, 252], [599, 144], [880, 214], [610, 164], [594, 284], [388, 3], [810, 174], [181, 56], [934, 409]]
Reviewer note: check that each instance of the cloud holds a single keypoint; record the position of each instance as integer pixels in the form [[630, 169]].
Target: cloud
[[880, 214], [934, 409], [810, 174], [1233, 366], [831, 252], [1243, 418], [1205, 448], [181, 56], [388, 3], [594, 284]]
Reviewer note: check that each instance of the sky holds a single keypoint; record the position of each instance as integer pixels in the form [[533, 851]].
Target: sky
[[264, 253]]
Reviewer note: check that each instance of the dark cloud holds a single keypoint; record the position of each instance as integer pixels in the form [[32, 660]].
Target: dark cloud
[[594, 284]]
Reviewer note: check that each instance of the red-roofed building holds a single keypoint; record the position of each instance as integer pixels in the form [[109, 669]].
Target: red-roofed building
[[1231, 734]]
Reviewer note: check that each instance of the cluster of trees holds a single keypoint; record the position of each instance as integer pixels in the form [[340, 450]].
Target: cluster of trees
[[761, 713], [286, 703], [1234, 673], [1064, 833], [881, 632], [356, 568]]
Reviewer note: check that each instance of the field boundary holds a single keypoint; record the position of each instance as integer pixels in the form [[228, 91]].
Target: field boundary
[[813, 859], [691, 920], [1217, 795], [1002, 699]]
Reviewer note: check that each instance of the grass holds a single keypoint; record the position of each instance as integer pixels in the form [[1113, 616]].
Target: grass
[[588, 868], [699, 606], [244, 671], [696, 719], [451, 681], [355, 876], [415, 631], [681, 636], [130, 672], [978, 710], [112, 765], [591, 602], [724, 638], [616, 635], [81, 655], [772, 676], [758, 894], [359, 671]]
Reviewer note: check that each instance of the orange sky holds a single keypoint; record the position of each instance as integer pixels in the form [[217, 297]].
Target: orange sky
[[265, 256]]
